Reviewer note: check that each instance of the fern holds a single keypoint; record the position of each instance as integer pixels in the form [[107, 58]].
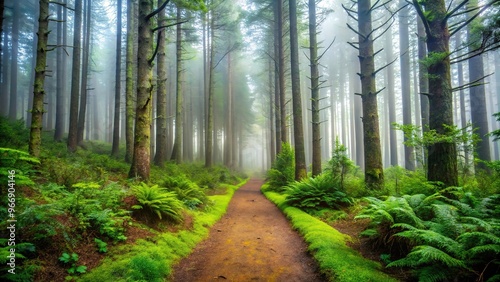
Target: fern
[[425, 255], [315, 193], [159, 201]]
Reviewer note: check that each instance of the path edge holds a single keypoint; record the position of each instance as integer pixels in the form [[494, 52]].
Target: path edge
[[328, 246]]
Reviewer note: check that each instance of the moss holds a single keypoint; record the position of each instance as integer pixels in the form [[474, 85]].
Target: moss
[[328, 246], [134, 262]]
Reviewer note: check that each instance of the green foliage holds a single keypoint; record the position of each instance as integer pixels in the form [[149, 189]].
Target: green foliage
[[464, 138], [399, 181], [23, 272], [71, 261], [188, 192], [449, 234], [147, 268], [102, 247], [496, 133], [340, 164], [282, 171], [336, 260], [18, 162], [315, 193], [13, 134], [157, 201]]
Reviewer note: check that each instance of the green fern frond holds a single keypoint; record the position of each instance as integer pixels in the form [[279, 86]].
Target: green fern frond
[[432, 238], [424, 255]]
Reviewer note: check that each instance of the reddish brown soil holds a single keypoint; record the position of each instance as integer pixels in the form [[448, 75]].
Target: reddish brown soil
[[252, 242]]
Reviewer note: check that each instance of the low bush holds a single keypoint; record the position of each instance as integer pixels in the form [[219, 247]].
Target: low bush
[[188, 192], [322, 191], [153, 200], [282, 171], [447, 235]]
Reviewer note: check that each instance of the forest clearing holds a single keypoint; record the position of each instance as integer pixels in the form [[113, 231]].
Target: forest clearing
[[250, 140]]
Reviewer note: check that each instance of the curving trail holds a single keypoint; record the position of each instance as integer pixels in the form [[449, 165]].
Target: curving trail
[[252, 242]]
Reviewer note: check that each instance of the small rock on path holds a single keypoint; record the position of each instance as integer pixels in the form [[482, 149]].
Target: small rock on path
[[252, 242]]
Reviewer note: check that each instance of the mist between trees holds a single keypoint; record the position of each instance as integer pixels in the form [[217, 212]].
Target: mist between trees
[[229, 81]]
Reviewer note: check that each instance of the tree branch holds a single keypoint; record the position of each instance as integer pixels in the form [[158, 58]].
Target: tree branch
[[169, 25], [155, 12], [156, 48]]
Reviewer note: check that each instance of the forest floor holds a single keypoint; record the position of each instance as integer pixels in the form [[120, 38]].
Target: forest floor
[[252, 242]]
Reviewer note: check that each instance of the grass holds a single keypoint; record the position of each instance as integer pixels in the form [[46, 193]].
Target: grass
[[328, 246], [152, 259]]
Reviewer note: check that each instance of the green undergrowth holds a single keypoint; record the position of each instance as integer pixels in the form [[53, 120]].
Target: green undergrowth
[[152, 259], [337, 261]]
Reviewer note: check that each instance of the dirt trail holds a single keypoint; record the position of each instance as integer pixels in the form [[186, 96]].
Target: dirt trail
[[252, 242]]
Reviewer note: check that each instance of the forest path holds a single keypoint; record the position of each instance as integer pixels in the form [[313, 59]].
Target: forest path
[[252, 242]]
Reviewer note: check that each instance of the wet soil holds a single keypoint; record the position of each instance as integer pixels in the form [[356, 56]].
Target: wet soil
[[252, 242]]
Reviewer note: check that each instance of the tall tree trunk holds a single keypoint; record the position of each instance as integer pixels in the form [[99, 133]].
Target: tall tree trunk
[[14, 62], [281, 72], [423, 82], [272, 105], [141, 159], [277, 16], [479, 116], [177, 150], [313, 50], [130, 90], [210, 111], [161, 94], [75, 79], [61, 74], [374, 174], [85, 73], [391, 100], [118, 88], [463, 113], [442, 158], [2, 74], [4, 93], [298, 129], [39, 91], [228, 131], [404, 43]]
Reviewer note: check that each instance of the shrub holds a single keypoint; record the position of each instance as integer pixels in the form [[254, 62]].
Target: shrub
[[447, 235], [154, 200], [188, 192], [13, 134], [340, 164], [316, 193], [282, 171]]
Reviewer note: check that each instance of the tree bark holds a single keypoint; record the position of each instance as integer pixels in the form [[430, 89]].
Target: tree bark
[[14, 62], [177, 150], [130, 84], [298, 129], [118, 88], [161, 94], [404, 47], [141, 159], [281, 71], [210, 126], [374, 174], [313, 50], [478, 107], [75, 79], [39, 91], [61, 73], [391, 100], [85, 73], [442, 158]]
